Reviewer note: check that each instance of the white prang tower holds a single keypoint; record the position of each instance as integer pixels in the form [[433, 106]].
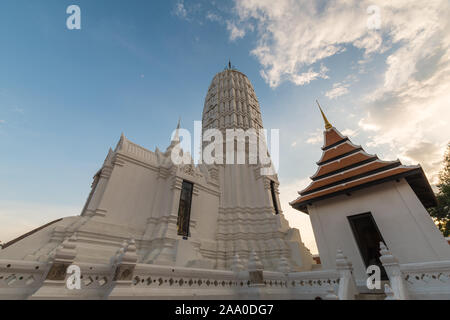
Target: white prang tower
[[249, 214]]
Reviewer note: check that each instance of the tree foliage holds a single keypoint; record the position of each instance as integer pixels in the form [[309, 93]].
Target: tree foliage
[[441, 213]]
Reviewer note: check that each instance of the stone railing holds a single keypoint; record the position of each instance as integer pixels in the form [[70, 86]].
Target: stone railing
[[124, 278], [315, 284], [96, 279], [165, 282], [429, 280], [20, 279], [140, 152], [425, 280]]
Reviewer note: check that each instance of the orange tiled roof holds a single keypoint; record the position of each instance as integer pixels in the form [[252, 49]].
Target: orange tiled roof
[[345, 167], [343, 162], [344, 148], [331, 137]]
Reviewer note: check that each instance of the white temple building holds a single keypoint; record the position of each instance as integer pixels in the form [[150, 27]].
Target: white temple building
[[355, 201], [153, 229]]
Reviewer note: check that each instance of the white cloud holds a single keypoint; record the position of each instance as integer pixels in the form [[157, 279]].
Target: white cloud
[[371, 42], [2, 121], [412, 122], [214, 17], [339, 89], [235, 32], [407, 108], [294, 35], [366, 125], [307, 77], [315, 137], [180, 10], [428, 154], [193, 13], [349, 133]]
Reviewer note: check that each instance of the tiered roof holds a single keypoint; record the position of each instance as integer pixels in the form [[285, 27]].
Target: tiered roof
[[345, 167]]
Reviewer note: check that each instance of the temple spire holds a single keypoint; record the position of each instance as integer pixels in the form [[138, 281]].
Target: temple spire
[[327, 124], [176, 137]]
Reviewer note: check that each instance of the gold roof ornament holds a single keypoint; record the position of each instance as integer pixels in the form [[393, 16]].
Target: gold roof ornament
[[327, 123]]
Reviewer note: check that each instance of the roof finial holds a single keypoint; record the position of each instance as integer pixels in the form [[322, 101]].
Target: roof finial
[[327, 124], [176, 137]]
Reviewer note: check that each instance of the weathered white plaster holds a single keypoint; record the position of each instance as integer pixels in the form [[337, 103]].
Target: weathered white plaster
[[404, 224]]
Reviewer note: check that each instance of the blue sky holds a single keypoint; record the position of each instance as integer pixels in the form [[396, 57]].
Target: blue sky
[[136, 66]]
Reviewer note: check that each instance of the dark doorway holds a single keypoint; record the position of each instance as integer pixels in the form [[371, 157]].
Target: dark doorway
[[184, 209], [368, 239], [274, 197]]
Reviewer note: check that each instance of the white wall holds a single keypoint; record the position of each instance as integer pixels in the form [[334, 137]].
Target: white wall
[[405, 225], [129, 195]]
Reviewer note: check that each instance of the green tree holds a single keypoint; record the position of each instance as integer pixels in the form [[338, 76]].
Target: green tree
[[441, 213]]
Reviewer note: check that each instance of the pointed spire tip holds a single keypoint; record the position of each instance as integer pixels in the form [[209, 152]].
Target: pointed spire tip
[[176, 136], [327, 123]]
